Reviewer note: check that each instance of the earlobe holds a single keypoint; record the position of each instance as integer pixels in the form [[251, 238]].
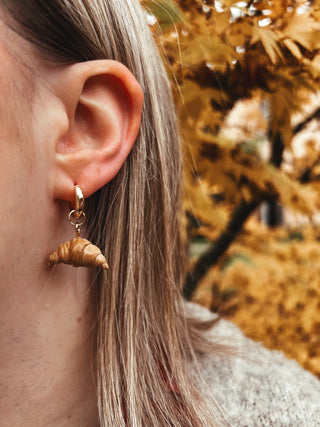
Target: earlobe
[[104, 119]]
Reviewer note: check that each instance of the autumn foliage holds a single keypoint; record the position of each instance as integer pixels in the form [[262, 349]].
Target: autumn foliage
[[246, 81]]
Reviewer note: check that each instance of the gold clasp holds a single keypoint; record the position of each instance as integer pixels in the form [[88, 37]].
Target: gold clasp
[[77, 217]]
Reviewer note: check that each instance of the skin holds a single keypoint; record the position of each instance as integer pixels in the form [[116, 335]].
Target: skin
[[60, 126]]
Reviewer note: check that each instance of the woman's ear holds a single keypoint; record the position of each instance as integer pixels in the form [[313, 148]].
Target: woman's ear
[[103, 103]]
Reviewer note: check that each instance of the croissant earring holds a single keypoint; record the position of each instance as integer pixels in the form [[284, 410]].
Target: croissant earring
[[78, 252]]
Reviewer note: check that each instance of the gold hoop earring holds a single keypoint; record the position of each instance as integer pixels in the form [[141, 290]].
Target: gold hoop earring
[[78, 252]]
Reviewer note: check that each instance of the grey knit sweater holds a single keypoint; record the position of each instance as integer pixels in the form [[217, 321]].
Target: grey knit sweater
[[258, 387]]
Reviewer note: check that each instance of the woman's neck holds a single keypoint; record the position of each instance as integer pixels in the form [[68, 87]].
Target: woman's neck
[[46, 375]]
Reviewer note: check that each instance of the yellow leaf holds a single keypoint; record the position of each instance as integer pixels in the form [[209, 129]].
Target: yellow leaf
[[207, 48], [166, 12], [315, 67], [304, 30], [196, 104], [269, 40], [239, 33], [191, 90], [291, 45], [222, 21]]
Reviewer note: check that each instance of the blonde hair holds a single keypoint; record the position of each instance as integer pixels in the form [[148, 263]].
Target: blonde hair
[[145, 344]]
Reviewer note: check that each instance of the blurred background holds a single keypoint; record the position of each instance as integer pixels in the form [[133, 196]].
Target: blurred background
[[246, 81]]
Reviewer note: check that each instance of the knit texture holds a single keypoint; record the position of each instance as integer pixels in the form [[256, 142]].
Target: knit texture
[[257, 387]]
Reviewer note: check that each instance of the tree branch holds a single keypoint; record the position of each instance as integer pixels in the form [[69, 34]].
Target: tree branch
[[305, 176], [216, 250], [238, 218], [300, 126], [274, 215], [277, 150]]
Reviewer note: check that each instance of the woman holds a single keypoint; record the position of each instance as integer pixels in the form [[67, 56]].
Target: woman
[[85, 101]]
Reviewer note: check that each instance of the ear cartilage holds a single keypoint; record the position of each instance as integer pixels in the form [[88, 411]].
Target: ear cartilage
[[78, 252]]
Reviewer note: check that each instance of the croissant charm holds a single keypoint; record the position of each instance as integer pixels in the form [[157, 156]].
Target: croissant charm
[[79, 252]]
